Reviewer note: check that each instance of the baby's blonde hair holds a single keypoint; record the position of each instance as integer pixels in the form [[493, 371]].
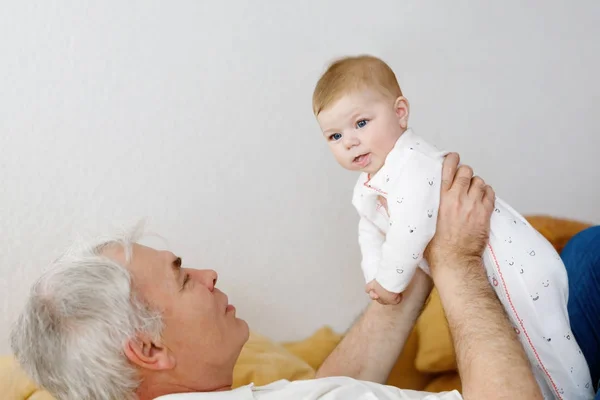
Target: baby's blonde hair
[[350, 74]]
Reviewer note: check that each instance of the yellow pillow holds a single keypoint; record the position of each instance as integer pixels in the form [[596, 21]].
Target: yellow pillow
[[557, 231], [315, 349], [404, 374], [445, 383], [15, 385], [263, 361], [436, 351]]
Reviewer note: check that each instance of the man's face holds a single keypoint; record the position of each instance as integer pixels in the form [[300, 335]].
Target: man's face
[[199, 322], [361, 129]]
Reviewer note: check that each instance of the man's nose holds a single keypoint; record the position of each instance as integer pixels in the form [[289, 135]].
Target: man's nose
[[208, 278]]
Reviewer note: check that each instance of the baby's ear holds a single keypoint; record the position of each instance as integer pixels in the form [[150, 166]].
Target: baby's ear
[[402, 110]]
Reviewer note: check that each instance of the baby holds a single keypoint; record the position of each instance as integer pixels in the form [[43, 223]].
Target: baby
[[364, 119]]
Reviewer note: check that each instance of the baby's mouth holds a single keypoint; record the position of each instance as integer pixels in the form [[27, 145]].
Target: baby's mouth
[[362, 160]]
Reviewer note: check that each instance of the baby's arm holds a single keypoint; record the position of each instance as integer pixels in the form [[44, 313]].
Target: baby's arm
[[370, 239], [413, 206]]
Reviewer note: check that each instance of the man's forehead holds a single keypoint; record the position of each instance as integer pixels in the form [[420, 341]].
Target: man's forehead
[[140, 256], [149, 257], [152, 269]]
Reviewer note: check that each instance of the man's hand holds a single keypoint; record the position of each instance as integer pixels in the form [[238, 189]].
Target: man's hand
[[466, 205]]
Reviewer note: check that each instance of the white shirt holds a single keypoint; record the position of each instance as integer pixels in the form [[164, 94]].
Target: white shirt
[[333, 388]]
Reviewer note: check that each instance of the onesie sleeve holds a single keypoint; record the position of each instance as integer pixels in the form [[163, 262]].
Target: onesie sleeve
[[370, 240], [413, 203]]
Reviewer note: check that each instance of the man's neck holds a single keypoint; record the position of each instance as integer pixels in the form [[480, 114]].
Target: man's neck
[[154, 386], [152, 392]]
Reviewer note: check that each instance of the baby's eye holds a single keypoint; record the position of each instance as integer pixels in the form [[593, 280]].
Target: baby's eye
[[362, 123], [335, 136]]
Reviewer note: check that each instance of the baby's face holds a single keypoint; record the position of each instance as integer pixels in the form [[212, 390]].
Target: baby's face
[[361, 129]]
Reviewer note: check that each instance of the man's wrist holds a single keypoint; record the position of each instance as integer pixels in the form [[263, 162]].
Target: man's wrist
[[408, 309], [460, 281], [456, 267], [412, 302]]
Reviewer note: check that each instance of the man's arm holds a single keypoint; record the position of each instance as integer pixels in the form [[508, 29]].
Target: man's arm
[[491, 361], [372, 346]]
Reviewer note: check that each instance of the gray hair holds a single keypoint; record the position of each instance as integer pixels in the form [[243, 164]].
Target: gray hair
[[79, 315]]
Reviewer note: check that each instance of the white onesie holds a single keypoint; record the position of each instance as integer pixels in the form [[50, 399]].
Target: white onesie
[[522, 266]]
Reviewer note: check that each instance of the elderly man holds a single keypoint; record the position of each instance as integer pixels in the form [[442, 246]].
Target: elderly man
[[124, 321]]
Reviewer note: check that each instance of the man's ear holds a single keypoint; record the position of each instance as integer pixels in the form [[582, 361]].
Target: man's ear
[[402, 109], [149, 354]]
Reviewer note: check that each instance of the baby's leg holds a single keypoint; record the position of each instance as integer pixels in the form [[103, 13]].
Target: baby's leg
[[531, 282]]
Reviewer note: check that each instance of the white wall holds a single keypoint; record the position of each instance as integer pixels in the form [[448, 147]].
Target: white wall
[[198, 117]]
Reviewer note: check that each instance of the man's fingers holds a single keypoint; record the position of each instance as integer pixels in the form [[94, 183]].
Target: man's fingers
[[449, 167], [462, 180], [477, 188], [489, 197]]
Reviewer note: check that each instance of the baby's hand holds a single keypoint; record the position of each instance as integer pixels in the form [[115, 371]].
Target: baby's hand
[[377, 292]]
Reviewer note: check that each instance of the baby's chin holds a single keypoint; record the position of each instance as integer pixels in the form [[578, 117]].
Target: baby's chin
[[371, 169], [367, 170]]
